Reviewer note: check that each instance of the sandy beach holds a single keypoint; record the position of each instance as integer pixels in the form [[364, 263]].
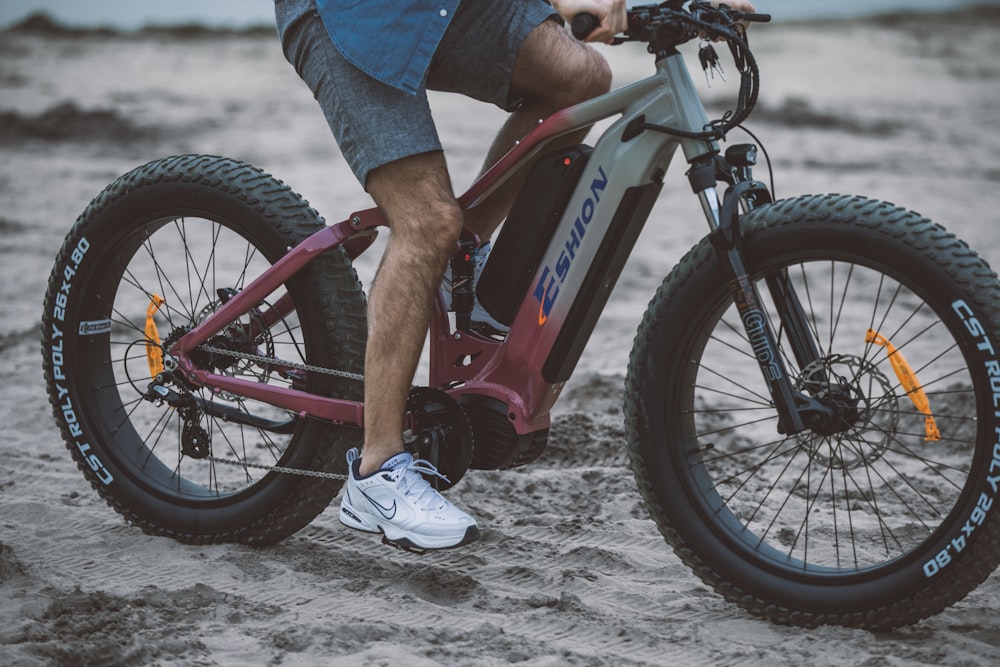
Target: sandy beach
[[570, 570]]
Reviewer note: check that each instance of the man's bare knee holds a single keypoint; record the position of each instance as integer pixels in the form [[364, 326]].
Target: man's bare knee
[[595, 76], [555, 71], [415, 195]]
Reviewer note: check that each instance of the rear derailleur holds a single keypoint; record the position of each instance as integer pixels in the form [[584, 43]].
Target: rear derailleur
[[195, 441]]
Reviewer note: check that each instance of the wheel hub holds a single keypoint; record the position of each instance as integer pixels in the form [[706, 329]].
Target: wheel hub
[[863, 411], [844, 402]]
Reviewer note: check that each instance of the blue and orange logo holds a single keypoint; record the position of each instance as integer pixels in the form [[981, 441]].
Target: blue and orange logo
[[547, 288]]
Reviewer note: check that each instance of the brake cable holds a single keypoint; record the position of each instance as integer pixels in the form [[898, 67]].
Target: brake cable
[[735, 36]]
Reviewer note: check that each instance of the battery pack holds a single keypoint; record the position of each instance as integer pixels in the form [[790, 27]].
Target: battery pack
[[530, 225]]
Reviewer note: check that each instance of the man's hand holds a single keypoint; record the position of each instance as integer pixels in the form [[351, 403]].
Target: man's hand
[[610, 12], [738, 5]]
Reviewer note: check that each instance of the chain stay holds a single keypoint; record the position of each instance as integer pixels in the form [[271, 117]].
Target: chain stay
[[283, 364]]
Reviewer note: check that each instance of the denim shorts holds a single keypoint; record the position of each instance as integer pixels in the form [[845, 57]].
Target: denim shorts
[[374, 123]]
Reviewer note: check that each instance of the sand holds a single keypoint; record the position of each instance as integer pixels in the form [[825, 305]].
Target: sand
[[569, 570]]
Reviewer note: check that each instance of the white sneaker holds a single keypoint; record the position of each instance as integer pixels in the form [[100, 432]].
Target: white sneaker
[[482, 321], [399, 503]]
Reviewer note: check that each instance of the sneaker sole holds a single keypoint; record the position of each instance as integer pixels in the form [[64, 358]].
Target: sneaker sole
[[471, 535], [402, 539]]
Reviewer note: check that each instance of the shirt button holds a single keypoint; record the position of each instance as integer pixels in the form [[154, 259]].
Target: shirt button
[[444, 12]]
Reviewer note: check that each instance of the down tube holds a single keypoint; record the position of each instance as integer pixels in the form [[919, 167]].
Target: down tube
[[576, 275]]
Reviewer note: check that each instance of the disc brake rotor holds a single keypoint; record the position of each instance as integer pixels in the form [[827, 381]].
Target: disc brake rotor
[[867, 411]]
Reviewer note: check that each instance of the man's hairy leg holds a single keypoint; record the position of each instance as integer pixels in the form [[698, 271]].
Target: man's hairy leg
[[425, 221], [552, 71]]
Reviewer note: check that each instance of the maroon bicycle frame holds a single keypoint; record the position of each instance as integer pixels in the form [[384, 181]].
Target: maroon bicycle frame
[[484, 366], [461, 362]]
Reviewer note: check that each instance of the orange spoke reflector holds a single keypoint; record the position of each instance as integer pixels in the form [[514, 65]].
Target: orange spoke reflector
[[154, 351], [909, 381]]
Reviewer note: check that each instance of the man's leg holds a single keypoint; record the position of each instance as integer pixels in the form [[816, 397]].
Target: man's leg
[[425, 221], [385, 492], [552, 71], [389, 139]]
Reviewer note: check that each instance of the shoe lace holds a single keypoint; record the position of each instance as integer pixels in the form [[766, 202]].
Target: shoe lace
[[410, 481]]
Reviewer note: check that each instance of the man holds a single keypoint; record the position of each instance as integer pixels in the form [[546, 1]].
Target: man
[[369, 65]]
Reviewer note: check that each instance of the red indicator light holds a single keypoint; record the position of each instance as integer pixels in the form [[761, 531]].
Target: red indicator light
[[567, 161]]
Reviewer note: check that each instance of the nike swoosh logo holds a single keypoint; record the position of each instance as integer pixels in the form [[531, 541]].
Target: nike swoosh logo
[[387, 512]]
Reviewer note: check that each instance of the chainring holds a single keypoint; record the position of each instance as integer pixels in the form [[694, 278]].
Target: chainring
[[441, 434]]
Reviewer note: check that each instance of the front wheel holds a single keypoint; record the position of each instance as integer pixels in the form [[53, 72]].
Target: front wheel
[[887, 515]]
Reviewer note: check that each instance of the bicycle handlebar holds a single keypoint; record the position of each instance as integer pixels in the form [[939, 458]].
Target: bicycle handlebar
[[584, 24], [750, 17], [667, 25], [639, 19]]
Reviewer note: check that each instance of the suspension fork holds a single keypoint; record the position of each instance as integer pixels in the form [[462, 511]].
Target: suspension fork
[[794, 322], [796, 411]]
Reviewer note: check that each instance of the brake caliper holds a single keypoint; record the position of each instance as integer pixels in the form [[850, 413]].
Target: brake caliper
[[154, 348]]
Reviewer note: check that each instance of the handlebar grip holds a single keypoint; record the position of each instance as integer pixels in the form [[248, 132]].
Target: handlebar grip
[[756, 18], [583, 25]]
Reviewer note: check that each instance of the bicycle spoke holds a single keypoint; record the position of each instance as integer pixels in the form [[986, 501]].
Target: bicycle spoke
[[824, 497], [186, 261]]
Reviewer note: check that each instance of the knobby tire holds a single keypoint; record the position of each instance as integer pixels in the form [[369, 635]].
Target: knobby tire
[[190, 229], [870, 525]]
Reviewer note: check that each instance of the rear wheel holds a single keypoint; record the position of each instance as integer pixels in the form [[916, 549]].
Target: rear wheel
[[152, 256], [871, 520]]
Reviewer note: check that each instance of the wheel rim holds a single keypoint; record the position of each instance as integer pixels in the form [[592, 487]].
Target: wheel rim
[[855, 495], [193, 263]]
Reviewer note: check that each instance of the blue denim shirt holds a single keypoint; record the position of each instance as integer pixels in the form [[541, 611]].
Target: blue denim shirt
[[391, 40]]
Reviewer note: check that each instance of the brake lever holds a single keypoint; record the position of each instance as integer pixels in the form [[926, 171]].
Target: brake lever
[[728, 13]]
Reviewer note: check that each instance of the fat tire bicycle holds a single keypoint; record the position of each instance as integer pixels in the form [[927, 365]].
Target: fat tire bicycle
[[812, 400]]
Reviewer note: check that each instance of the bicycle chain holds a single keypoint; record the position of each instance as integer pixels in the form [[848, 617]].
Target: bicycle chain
[[282, 469], [283, 364], [271, 361]]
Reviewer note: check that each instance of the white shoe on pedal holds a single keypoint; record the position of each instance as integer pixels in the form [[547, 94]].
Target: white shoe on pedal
[[399, 503]]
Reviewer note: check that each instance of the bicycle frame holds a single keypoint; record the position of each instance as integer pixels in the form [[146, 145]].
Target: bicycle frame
[[592, 241]]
